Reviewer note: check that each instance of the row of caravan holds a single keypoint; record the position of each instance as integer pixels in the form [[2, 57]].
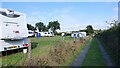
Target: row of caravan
[[40, 34], [51, 34]]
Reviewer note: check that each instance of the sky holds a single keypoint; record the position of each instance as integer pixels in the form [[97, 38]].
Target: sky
[[60, 0], [72, 16]]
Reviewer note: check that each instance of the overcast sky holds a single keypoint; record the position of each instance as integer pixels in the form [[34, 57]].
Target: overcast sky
[[71, 15]]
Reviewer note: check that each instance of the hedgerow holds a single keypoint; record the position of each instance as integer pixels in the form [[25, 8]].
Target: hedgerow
[[111, 39]]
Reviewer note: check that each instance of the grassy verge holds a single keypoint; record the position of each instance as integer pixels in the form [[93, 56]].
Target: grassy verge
[[41, 47], [71, 58], [41, 52], [94, 56]]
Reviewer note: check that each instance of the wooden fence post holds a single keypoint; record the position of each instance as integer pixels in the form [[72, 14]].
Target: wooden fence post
[[0, 59], [29, 51], [29, 48]]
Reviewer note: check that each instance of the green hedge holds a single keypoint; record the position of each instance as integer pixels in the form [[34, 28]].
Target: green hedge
[[111, 39]]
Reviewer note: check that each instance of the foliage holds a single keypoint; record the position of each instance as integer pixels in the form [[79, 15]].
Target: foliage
[[30, 27], [41, 26], [63, 50], [45, 52], [54, 25], [89, 29], [111, 38]]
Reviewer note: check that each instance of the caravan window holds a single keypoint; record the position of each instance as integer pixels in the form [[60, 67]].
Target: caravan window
[[30, 32], [48, 33], [15, 15], [74, 35], [3, 13], [9, 15], [11, 23]]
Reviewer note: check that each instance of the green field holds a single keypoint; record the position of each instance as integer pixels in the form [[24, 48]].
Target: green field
[[94, 56], [42, 50]]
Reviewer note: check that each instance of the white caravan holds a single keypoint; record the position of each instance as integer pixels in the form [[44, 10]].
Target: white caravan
[[63, 34], [45, 34], [82, 34], [75, 35], [78, 34], [13, 30], [31, 33]]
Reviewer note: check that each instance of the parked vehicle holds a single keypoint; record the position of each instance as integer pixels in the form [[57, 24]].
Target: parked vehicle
[[78, 35], [63, 34], [31, 33], [13, 30], [44, 34]]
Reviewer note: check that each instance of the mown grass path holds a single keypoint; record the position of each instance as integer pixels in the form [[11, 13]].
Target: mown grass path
[[93, 55], [97, 55]]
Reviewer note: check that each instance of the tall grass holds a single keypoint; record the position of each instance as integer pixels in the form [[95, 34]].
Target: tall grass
[[45, 50]]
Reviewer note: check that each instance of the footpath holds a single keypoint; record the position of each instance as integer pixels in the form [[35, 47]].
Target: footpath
[[79, 60]]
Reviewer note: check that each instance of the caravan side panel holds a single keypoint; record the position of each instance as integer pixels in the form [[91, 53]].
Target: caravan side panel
[[0, 27]]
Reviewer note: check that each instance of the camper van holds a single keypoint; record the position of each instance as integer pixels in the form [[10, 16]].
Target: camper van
[[13, 30]]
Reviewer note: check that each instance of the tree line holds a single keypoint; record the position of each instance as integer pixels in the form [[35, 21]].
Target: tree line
[[53, 25]]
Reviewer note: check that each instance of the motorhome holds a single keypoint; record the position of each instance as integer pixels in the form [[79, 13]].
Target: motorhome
[[13, 30]]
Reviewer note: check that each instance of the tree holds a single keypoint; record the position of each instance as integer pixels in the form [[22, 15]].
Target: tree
[[89, 30], [54, 25], [45, 28], [30, 27], [41, 26]]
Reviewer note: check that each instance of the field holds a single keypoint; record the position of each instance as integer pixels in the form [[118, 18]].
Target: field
[[48, 51]]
